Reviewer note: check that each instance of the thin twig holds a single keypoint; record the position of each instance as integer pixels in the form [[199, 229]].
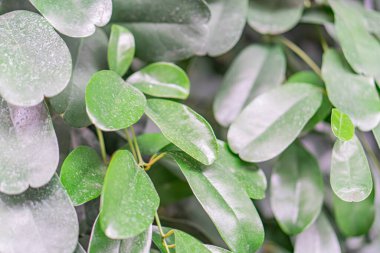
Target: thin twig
[[102, 145]]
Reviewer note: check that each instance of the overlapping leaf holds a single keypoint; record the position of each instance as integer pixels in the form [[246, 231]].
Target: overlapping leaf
[[341, 125]]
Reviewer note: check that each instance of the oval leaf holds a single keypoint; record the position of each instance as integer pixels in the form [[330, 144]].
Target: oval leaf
[[121, 49], [254, 77], [272, 121], [35, 61], [274, 16], [175, 119], [29, 148], [296, 190], [341, 125], [82, 175], [38, 221], [75, 18], [226, 203], [100, 243], [129, 200], [319, 238], [350, 175], [113, 104], [162, 79], [343, 87]]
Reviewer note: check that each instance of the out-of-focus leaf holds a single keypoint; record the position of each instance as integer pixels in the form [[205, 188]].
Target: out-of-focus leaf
[[257, 69], [113, 104], [350, 175], [226, 25], [38, 221], [344, 87], [162, 79], [29, 149], [319, 238], [82, 175], [75, 18], [168, 30], [341, 125], [89, 56], [296, 190], [376, 133], [319, 15], [226, 203], [128, 200], [12, 5], [272, 121], [35, 61], [355, 218], [274, 16], [100, 243], [121, 49], [151, 143], [184, 128], [79, 249]]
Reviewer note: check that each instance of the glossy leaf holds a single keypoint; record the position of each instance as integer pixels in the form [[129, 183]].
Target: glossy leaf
[[167, 30], [215, 249], [100, 243], [40, 64], [257, 69], [175, 119], [296, 190], [113, 104], [185, 243], [274, 16], [344, 87], [361, 49], [319, 238], [121, 49], [89, 56], [38, 221], [341, 125], [354, 218], [350, 175], [226, 25], [225, 202], [272, 121], [75, 18], [162, 79], [82, 175], [128, 200], [29, 149]]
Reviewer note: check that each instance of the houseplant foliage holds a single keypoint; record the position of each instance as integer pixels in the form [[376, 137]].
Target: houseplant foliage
[[138, 126]]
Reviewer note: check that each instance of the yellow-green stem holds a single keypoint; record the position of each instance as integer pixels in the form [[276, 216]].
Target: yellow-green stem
[[153, 160], [158, 222], [324, 44], [102, 145], [130, 143], [137, 148]]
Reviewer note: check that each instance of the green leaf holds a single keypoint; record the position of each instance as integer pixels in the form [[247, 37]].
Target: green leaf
[[121, 49], [38, 221], [344, 87], [272, 121], [100, 243], [215, 249], [355, 218], [350, 175], [319, 238], [162, 79], [79, 249], [361, 49], [167, 30], [226, 203], [274, 16], [113, 104], [89, 56], [296, 190], [151, 143], [75, 18], [319, 15], [29, 149], [248, 78], [35, 61], [128, 200], [185, 243], [226, 25], [82, 175], [341, 125], [184, 128], [325, 108], [157, 239]]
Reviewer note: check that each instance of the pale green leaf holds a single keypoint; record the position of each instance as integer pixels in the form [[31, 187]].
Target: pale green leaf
[[185, 243], [341, 125], [215, 249]]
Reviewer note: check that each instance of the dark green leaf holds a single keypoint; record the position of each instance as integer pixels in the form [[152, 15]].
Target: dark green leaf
[[79, 249], [341, 125], [151, 143], [319, 15]]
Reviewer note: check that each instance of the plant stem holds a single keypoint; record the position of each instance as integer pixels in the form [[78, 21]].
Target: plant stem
[[153, 160], [324, 44], [102, 145], [137, 148], [369, 151], [161, 232], [130, 143], [298, 51]]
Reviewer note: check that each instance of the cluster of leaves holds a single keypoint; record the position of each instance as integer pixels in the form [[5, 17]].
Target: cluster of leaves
[[63, 78]]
